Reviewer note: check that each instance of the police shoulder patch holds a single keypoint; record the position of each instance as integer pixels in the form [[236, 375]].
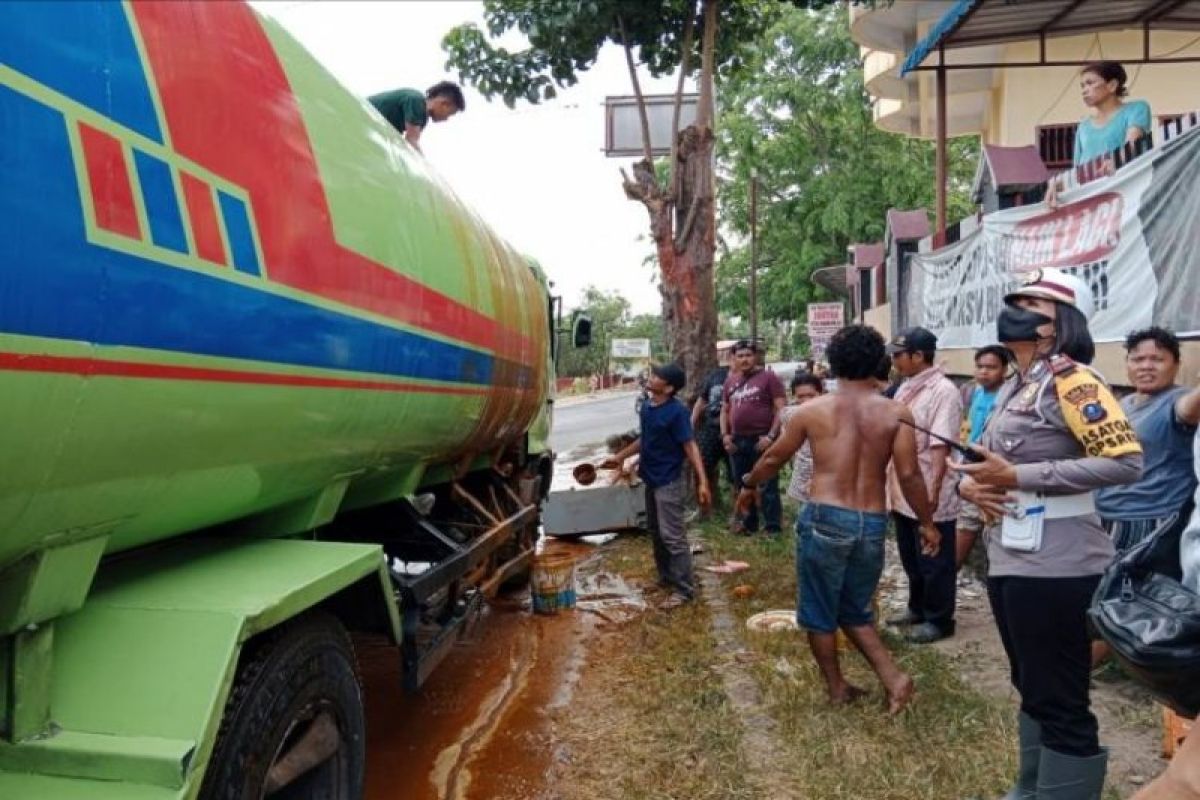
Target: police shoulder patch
[[1094, 415]]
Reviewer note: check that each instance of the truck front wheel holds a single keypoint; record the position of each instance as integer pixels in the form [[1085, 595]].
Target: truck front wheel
[[293, 726]]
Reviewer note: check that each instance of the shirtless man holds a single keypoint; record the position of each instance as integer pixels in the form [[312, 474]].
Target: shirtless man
[[853, 434]]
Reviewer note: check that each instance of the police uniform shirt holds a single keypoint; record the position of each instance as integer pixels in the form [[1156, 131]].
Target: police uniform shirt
[[1066, 434]]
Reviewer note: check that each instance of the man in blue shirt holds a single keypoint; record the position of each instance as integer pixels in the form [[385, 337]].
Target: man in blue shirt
[[991, 369], [1165, 417], [665, 440]]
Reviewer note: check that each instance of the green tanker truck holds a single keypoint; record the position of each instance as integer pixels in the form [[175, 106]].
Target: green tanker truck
[[265, 382]]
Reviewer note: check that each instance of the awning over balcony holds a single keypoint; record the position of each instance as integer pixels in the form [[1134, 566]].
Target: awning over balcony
[[832, 278], [973, 23]]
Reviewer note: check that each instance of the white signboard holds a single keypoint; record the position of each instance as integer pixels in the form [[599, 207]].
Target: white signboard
[[825, 319], [823, 316], [630, 348], [623, 124]]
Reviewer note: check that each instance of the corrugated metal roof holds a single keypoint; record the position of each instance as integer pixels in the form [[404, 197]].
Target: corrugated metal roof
[[972, 23]]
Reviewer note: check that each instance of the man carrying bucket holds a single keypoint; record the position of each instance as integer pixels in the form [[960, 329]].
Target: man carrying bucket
[[665, 440]]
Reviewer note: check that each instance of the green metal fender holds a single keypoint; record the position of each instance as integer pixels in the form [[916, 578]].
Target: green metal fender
[[141, 673]]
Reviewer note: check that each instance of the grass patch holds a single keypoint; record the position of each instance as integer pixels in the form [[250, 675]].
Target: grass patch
[[953, 742], [650, 720]]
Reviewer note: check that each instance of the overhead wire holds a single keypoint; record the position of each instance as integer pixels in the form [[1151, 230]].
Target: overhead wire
[[1071, 80]]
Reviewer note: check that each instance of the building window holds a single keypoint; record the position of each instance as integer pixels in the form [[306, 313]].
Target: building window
[[1056, 145]]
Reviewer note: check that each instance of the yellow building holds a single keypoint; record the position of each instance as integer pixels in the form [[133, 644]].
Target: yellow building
[[1011, 76]]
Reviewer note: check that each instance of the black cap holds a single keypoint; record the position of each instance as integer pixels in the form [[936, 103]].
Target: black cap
[[912, 340], [671, 373]]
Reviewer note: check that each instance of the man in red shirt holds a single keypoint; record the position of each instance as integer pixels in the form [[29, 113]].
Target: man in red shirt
[[753, 398]]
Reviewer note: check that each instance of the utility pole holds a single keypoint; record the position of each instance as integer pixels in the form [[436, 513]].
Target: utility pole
[[754, 256]]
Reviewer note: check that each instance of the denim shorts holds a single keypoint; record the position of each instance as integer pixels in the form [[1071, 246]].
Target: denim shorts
[[839, 558]]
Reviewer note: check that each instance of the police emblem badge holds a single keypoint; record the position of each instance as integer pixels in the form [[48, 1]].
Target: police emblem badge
[[1086, 400]]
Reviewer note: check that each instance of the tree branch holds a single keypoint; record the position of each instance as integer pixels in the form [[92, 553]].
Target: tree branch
[[685, 67], [704, 114], [637, 91]]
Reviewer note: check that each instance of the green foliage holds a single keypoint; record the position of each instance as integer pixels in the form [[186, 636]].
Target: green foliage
[[800, 116], [611, 319], [564, 38]]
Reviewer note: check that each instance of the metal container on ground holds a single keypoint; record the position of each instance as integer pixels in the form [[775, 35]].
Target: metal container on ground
[[552, 582]]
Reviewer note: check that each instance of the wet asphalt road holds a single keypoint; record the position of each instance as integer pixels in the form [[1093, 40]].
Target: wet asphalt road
[[590, 421]]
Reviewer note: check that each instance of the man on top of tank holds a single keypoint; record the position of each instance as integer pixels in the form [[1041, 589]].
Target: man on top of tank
[[410, 111]]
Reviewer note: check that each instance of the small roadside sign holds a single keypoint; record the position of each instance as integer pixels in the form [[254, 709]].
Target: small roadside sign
[[630, 348]]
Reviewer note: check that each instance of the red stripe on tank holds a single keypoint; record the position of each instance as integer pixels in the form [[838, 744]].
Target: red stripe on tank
[[24, 362], [108, 176], [229, 106], [205, 230]]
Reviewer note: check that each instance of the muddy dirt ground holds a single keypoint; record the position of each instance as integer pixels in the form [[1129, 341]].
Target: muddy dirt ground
[[483, 726], [506, 715]]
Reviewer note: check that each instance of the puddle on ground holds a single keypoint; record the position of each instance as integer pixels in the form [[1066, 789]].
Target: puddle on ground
[[482, 727]]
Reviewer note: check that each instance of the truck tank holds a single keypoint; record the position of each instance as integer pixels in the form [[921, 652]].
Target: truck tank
[[227, 287]]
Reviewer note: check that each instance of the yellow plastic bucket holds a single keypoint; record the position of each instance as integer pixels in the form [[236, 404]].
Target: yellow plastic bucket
[[552, 582]]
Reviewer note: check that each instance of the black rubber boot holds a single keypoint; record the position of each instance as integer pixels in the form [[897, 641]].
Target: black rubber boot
[[1029, 757], [1063, 777]]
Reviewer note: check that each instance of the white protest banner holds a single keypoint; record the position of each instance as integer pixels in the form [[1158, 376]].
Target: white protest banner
[[1133, 237]]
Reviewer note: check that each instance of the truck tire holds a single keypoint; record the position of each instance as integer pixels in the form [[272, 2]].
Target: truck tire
[[293, 689]]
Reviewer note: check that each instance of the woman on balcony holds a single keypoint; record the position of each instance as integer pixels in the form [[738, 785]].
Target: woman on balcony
[[1113, 122]]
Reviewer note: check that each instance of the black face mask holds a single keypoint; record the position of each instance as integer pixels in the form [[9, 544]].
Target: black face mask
[[1016, 324]]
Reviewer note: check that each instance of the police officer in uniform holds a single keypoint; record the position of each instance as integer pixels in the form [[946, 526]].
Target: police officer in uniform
[[1055, 435]]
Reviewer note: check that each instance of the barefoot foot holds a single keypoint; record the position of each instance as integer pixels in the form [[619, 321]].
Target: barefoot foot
[[847, 694]]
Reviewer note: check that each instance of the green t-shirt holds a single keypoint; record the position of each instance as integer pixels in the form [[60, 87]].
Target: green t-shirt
[[402, 107]]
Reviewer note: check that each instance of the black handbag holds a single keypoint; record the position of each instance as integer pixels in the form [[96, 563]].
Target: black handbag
[[1151, 620]]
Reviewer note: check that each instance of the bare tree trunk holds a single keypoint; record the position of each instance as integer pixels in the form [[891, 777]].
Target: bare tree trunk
[[692, 329], [683, 227]]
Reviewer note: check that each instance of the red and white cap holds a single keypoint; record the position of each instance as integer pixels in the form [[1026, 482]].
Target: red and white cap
[[1054, 284]]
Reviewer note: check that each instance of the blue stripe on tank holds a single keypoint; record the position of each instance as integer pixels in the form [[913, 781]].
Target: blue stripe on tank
[[61, 45], [162, 204], [241, 236], [54, 283]]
